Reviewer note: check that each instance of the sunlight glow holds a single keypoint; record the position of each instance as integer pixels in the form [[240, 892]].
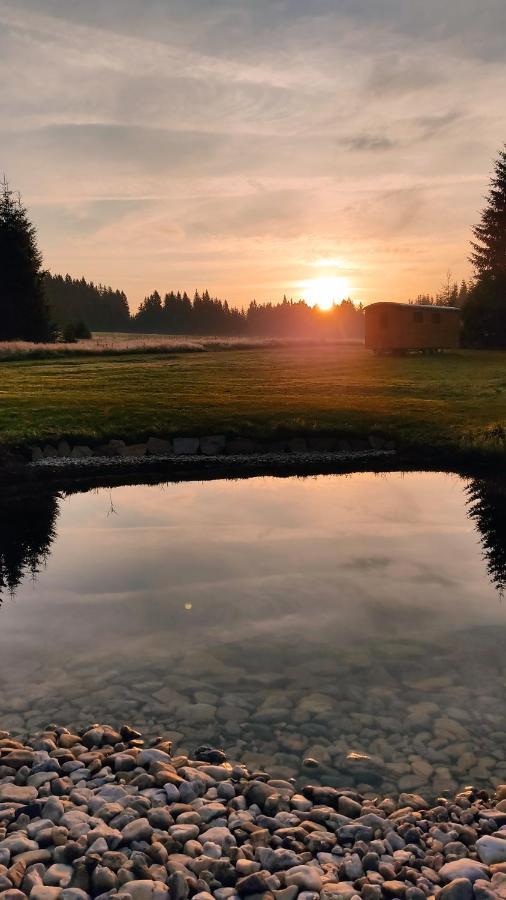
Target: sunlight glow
[[326, 290]]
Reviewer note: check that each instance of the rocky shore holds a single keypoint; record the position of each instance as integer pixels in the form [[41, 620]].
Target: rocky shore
[[96, 813]]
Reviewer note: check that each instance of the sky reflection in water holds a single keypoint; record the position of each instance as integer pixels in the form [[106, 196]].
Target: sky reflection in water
[[255, 584]]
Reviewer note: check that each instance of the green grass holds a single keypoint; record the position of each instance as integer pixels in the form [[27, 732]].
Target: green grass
[[452, 402]]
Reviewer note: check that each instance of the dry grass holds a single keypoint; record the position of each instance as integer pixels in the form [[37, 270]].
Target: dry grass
[[112, 343]]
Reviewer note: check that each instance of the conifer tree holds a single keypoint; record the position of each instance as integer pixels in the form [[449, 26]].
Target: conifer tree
[[489, 247], [24, 312], [484, 308]]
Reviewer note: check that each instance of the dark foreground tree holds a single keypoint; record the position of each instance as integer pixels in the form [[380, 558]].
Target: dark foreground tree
[[484, 311], [489, 247], [24, 313]]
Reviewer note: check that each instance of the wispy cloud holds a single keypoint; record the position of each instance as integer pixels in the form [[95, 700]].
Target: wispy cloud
[[231, 142]]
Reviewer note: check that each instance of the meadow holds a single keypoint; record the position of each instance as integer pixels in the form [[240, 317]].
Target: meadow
[[452, 403]]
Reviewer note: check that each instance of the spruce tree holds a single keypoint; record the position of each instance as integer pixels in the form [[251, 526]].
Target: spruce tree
[[23, 308], [489, 249], [484, 307]]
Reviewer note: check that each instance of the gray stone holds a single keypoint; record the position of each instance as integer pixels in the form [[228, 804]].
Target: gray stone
[[63, 448], [240, 445], [158, 446], [463, 868], [13, 793], [145, 890], [138, 830], [297, 445], [458, 889], [186, 446], [45, 892], [307, 878], [133, 450], [58, 875], [491, 849], [49, 452], [212, 445]]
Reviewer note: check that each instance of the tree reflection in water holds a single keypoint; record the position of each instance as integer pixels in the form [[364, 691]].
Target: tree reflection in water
[[28, 529], [487, 509]]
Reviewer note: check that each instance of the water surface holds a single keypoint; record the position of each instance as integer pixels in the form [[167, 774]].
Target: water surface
[[279, 618]]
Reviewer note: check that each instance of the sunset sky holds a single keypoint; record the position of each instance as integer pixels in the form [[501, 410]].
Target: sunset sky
[[252, 146]]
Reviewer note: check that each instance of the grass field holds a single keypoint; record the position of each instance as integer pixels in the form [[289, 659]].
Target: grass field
[[455, 401]]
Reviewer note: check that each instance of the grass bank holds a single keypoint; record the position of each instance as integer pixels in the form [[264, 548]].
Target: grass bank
[[453, 403]]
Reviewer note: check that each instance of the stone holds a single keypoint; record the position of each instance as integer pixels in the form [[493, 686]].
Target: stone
[[114, 446], [306, 878], [158, 446], [145, 890], [240, 445], [213, 444], [297, 445], [491, 849], [133, 450], [12, 793], [49, 452], [58, 875], [138, 830], [82, 451], [258, 792], [45, 892], [63, 448], [253, 884], [463, 868], [186, 446], [413, 800], [458, 889]]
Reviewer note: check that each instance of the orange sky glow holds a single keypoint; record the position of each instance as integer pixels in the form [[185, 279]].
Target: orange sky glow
[[254, 147]]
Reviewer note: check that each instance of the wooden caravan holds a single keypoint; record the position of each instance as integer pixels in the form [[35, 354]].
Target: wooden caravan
[[399, 327]]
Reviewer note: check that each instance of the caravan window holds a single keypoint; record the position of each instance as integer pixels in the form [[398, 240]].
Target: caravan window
[[418, 315]]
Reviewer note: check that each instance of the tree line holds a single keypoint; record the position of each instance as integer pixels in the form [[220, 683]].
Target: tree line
[[77, 302], [450, 294], [203, 314], [37, 306]]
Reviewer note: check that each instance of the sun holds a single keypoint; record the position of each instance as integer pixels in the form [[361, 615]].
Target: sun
[[326, 290]]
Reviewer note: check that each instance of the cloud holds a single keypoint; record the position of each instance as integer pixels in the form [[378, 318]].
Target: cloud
[[234, 140], [368, 143]]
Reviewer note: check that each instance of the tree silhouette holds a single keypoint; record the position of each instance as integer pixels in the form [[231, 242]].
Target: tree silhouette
[[24, 313], [27, 531], [75, 300], [487, 509], [489, 249], [484, 312]]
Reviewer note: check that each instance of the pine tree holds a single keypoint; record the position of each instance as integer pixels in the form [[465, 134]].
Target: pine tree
[[24, 312], [484, 307], [489, 248]]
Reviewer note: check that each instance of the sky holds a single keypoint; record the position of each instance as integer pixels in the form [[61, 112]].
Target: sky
[[254, 147]]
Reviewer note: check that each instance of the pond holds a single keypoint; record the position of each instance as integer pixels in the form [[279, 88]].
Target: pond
[[291, 621]]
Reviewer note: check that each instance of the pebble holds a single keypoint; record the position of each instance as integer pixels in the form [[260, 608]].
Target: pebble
[[144, 823]]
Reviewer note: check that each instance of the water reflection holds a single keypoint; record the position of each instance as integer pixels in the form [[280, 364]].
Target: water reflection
[[278, 618], [28, 530]]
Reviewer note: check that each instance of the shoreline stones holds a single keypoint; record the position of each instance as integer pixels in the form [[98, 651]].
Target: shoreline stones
[[98, 813], [209, 445]]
